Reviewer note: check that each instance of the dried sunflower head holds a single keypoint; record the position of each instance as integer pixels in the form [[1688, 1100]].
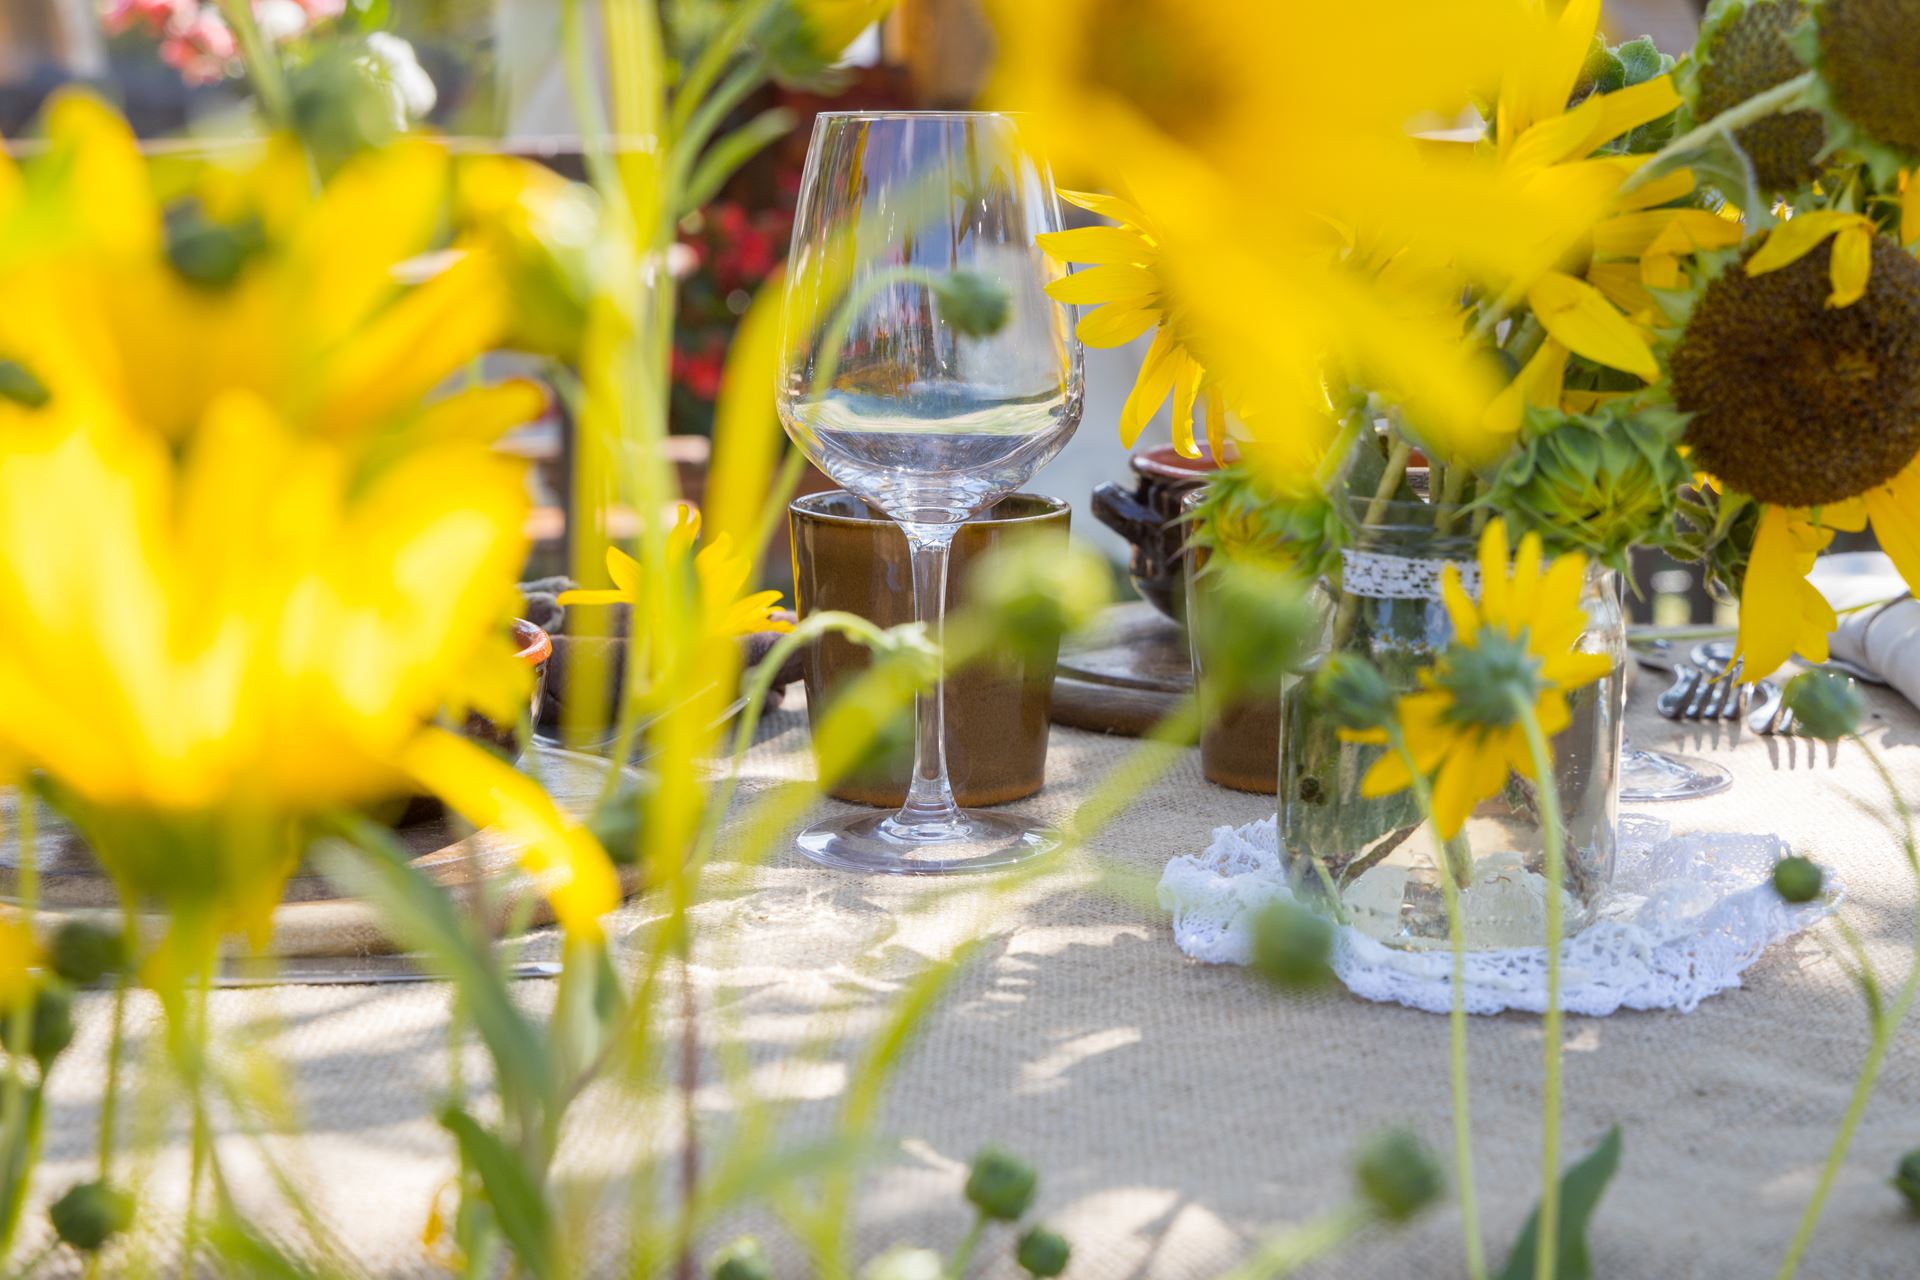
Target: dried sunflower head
[[1796, 402], [1744, 50], [1867, 53]]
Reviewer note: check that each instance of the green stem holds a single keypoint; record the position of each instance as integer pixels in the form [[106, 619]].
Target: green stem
[[1884, 1027], [713, 60], [1390, 478], [1547, 1250], [963, 1256], [263, 65], [1456, 1016], [1788, 95], [1291, 1250]]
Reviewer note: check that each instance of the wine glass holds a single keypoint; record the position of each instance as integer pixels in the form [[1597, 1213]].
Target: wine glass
[[927, 372]]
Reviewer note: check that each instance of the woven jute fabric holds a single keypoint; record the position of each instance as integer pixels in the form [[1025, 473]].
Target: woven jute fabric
[[1177, 1112]]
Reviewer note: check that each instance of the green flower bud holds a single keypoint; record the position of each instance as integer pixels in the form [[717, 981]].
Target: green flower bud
[[1797, 879], [1242, 517], [1598, 482], [52, 1029], [90, 1214], [83, 952], [1042, 1252], [1001, 1185], [741, 1260], [208, 253], [971, 302], [1036, 590], [1253, 622], [1825, 706], [1398, 1175], [1906, 1179], [905, 1263], [18, 384], [1353, 693], [1292, 947]]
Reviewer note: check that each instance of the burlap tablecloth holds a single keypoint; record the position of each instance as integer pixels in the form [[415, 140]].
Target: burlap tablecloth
[[1177, 1111]]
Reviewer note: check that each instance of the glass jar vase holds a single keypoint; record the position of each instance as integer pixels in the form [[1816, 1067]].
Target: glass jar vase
[[1374, 862]]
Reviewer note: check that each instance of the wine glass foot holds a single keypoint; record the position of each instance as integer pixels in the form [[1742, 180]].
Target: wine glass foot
[[978, 840], [1650, 776]]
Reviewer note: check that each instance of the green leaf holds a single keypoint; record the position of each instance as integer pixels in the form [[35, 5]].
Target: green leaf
[[372, 864], [518, 1204], [1722, 165], [1580, 1189], [246, 1252], [724, 158], [1641, 61]]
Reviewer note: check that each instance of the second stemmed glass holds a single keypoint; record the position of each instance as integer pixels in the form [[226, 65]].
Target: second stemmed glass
[[926, 371]]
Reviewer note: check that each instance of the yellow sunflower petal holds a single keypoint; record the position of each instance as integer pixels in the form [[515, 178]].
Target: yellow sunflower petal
[[1388, 775], [1186, 390], [1107, 207], [1095, 244], [1797, 237], [593, 596], [1668, 187], [1851, 262], [1632, 233], [1469, 775], [1216, 424], [1894, 508], [560, 855], [1115, 324], [1150, 388], [1909, 210], [1114, 282], [1780, 612], [1579, 315], [1493, 570], [1538, 385], [1460, 607], [625, 572]]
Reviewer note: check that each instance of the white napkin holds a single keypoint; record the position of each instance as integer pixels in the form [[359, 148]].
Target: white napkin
[[1884, 639]]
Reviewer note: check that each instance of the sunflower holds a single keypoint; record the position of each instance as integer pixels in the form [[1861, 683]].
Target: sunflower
[[1592, 295], [722, 572], [1801, 370], [1242, 169], [1465, 726], [1123, 285]]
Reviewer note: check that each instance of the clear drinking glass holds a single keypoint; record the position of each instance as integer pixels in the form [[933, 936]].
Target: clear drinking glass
[[927, 371]]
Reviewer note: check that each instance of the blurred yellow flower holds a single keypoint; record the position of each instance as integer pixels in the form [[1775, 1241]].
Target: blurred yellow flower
[[159, 288], [1242, 164], [1517, 644], [721, 571], [248, 623], [19, 954], [1128, 297]]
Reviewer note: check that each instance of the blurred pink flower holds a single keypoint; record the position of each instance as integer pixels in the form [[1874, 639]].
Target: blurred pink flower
[[117, 15], [195, 39]]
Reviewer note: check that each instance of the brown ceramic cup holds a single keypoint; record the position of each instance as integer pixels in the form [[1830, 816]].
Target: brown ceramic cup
[[1148, 517], [1239, 740], [845, 557]]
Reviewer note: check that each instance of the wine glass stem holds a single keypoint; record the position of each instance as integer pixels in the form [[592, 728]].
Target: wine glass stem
[[930, 800]]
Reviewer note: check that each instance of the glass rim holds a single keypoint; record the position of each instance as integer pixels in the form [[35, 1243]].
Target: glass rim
[[805, 506], [915, 113]]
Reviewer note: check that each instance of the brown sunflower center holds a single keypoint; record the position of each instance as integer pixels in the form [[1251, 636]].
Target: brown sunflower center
[[1796, 402], [1868, 52], [1144, 52], [1744, 54]]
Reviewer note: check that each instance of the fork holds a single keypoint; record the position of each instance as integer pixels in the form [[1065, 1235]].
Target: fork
[[1773, 715], [1701, 694]]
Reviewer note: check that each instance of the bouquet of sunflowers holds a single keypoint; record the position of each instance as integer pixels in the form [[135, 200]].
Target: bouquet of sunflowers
[[1710, 344]]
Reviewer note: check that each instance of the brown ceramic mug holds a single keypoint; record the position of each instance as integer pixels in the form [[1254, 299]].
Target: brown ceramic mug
[[847, 558], [1148, 517], [1239, 740]]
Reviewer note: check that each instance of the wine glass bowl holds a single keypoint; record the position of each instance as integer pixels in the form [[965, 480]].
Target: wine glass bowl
[[926, 370]]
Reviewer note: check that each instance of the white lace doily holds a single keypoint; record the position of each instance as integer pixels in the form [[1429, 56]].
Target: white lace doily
[[1380, 576], [1685, 917]]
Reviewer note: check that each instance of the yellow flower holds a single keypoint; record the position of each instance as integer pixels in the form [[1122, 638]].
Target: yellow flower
[[1128, 297], [1518, 643], [160, 289], [1242, 167], [19, 954], [1590, 293], [1848, 266], [721, 571], [249, 626]]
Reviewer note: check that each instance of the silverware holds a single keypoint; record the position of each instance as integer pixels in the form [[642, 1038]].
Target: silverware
[[1687, 678], [1772, 715], [368, 970]]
